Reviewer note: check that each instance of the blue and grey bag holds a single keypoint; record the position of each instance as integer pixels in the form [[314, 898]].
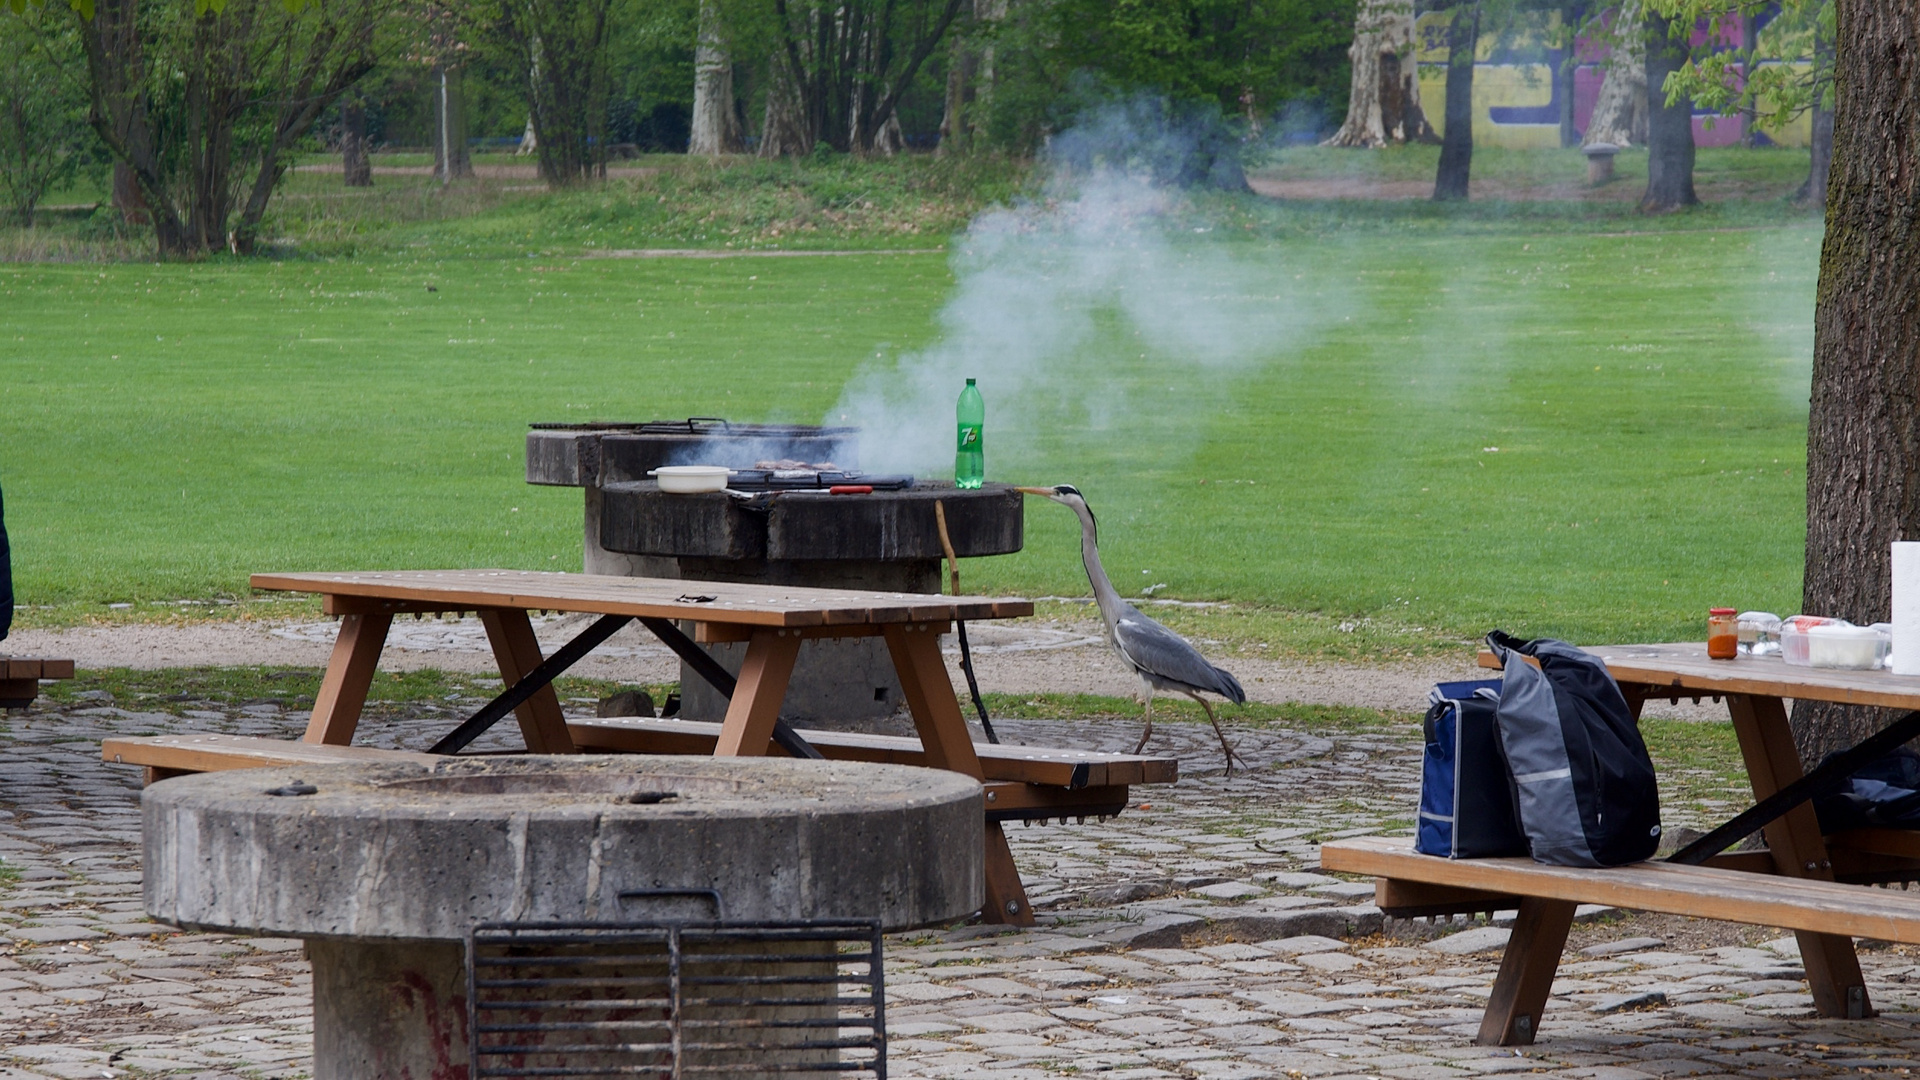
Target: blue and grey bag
[[1582, 780], [1466, 803]]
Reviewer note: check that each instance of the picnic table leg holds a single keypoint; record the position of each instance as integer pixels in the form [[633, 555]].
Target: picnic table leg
[[343, 689], [747, 730], [1525, 981], [517, 652], [949, 745], [1799, 850]]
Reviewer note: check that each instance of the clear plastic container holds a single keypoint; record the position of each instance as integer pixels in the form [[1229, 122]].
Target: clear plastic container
[[1885, 652], [1793, 637], [1840, 644], [1759, 633]]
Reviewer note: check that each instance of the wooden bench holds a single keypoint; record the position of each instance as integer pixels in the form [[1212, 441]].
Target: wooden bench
[[177, 755], [20, 678], [1023, 783], [1737, 887]]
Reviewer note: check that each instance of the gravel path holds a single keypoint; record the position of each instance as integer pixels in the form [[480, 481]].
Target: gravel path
[[1013, 656]]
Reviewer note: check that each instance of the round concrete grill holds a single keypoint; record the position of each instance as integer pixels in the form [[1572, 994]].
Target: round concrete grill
[[385, 867]]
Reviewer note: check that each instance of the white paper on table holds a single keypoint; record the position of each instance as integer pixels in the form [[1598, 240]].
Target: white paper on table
[[1905, 658]]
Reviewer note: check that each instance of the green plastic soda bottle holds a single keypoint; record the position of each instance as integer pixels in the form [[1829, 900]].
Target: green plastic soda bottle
[[969, 466]]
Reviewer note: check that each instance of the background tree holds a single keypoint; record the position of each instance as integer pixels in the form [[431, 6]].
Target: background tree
[[716, 123], [1456, 145], [1383, 102], [1863, 427], [356, 165], [1619, 115], [970, 75], [558, 50], [1670, 149], [203, 107], [44, 140], [1773, 77], [839, 68]]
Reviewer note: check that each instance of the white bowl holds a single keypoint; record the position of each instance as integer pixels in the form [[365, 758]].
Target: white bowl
[[691, 479]]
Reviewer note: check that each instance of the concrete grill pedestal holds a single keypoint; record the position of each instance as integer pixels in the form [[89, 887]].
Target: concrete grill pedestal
[[384, 868], [886, 540]]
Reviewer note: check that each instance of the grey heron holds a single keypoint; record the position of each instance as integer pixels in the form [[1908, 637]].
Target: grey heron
[[1162, 658]]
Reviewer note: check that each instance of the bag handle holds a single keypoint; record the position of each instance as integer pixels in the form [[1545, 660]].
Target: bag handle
[[1503, 643]]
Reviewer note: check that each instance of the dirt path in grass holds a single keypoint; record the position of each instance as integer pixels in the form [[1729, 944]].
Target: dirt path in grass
[[528, 171], [1014, 656], [1623, 190]]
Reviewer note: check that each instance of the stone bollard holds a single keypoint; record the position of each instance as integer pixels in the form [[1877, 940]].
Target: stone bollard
[[383, 868], [1599, 163]]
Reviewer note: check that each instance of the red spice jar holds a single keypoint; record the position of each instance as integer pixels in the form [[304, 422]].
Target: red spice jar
[[1723, 634]]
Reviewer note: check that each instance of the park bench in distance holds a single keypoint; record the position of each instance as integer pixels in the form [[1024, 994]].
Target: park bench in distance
[[1814, 885], [20, 678]]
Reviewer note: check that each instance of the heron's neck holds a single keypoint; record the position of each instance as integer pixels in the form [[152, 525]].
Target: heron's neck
[[1104, 594]]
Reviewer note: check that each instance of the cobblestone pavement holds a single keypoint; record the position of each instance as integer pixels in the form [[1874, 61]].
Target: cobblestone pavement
[[1190, 937]]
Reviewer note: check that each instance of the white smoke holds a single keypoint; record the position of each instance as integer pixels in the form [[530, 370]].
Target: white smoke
[[1101, 307]]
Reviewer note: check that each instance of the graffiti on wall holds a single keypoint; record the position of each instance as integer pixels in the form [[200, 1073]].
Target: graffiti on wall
[[1523, 90]]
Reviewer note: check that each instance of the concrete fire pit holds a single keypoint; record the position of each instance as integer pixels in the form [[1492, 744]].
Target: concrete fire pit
[[886, 540], [383, 868]]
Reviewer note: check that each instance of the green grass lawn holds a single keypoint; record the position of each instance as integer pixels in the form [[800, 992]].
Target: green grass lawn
[[1568, 422]]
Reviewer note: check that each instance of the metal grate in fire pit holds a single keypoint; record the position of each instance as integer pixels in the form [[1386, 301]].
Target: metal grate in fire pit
[[676, 1000]]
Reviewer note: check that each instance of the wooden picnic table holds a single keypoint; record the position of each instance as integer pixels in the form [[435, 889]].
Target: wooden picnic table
[[1021, 783], [1829, 899]]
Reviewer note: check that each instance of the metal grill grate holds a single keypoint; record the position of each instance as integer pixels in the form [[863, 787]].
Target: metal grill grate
[[676, 1000]]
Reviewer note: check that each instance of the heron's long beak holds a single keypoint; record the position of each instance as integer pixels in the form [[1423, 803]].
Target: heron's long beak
[[1045, 493]]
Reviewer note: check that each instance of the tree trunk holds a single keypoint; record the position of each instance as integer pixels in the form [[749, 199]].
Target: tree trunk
[[1383, 102], [1819, 159], [127, 198], [1456, 145], [956, 123], [1749, 47], [716, 130], [451, 158], [1570, 17], [1669, 125], [1863, 427], [1619, 113], [354, 162], [890, 140], [784, 131], [1820, 119]]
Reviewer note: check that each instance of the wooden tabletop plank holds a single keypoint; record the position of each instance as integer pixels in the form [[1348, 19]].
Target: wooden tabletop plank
[[1699, 891], [750, 605], [1684, 666]]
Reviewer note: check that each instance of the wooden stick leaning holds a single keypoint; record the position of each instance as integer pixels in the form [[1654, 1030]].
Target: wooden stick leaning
[[966, 653]]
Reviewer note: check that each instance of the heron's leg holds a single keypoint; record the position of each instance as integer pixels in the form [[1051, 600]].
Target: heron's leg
[[1217, 730], [1147, 734]]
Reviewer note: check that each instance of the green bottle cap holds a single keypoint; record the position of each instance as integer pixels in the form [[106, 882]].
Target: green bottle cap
[[969, 382]]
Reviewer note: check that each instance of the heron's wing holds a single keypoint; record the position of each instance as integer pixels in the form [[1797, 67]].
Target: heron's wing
[[1158, 651]]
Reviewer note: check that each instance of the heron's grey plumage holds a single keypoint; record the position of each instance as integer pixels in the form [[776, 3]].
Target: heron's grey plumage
[[1163, 659]]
